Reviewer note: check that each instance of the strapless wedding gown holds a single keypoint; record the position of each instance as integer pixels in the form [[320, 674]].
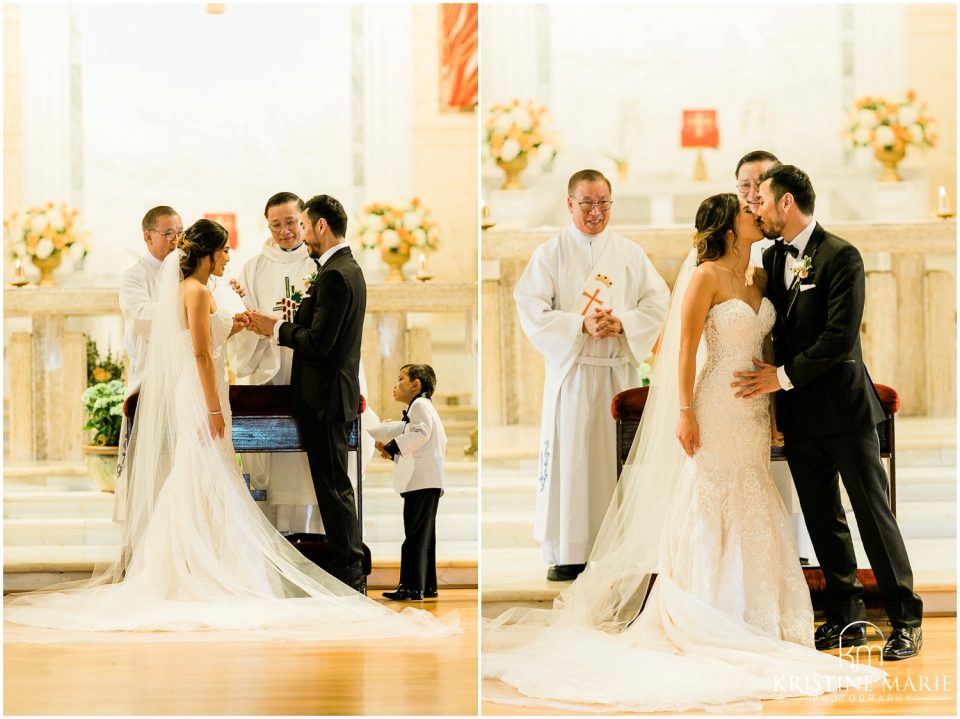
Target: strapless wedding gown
[[729, 619], [209, 565]]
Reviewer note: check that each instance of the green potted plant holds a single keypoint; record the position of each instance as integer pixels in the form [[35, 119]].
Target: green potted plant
[[103, 403]]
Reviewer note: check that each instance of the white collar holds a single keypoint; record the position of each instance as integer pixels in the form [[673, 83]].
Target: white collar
[[329, 253], [803, 237], [585, 238], [152, 262], [275, 253]]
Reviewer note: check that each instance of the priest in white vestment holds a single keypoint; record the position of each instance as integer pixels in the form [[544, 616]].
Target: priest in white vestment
[[161, 227], [279, 273], [592, 303]]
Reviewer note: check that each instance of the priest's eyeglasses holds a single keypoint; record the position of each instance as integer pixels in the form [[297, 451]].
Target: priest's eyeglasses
[[288, 225], [587, 206], [744, 187], [169, 234]]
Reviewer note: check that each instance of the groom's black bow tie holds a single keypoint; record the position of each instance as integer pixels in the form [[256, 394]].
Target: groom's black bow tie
[[784, 248], [405, 417]]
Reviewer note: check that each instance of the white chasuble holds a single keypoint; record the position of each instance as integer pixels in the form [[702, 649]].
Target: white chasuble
[[268, 279], [566, 279]]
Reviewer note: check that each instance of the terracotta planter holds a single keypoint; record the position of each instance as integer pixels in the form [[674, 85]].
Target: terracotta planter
[[102, 465]]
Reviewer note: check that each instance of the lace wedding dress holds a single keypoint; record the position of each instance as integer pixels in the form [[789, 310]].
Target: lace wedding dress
[[200, 558], [728, 620]]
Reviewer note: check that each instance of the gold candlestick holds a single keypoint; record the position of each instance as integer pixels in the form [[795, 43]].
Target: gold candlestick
[[19, 276]]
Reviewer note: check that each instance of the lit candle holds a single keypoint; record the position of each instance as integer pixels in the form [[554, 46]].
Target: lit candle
[[18, 270], [423, 264], [943, 208]]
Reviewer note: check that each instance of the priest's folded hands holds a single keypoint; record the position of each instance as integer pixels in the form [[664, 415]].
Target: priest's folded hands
[[602, 323]]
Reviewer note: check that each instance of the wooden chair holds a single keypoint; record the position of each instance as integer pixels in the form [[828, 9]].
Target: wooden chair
[[627, 408], [262, 422]]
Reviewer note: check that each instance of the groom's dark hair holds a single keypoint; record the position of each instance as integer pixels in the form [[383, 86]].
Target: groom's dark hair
[[282, 198], [756, 156], [790, 178], [330, 209]]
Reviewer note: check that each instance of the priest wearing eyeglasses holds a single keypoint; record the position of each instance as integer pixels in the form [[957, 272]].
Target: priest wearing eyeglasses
[[592, 304]]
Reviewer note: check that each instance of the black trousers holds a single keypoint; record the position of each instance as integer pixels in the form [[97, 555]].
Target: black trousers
[[327, 450], [814, 463], [418, 555]]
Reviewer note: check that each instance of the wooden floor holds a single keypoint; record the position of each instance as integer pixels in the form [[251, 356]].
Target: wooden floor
[[435, 676], [924, 685]]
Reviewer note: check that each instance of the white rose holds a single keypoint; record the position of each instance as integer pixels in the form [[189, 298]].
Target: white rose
[[369, 238], [503, 124], [44, 248], [866, 118], [412, 220], [907, 114], [510, 150], [390, 239], [419, 237], [521, 118], [861, 136], [885, 136]]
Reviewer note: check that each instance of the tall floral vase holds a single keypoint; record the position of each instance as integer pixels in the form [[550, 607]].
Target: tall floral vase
[[395, 259], [889, 157], [46, 267], [513, 168]]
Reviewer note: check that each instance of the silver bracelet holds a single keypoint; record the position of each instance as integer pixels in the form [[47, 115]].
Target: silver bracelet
[[219, 411]]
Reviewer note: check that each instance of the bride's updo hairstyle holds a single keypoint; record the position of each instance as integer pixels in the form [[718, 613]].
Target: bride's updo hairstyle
[[715, 216], [202, 239]]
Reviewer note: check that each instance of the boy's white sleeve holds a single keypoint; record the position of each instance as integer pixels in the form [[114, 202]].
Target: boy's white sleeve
[[385, 431], [419, 430]]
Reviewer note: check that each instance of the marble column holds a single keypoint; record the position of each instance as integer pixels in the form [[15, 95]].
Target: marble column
[[940, 291], [492, 386], [908, 269], [878, 330]]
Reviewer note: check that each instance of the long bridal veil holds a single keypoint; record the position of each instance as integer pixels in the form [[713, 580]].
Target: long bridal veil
[[608, 595], [197, 555]]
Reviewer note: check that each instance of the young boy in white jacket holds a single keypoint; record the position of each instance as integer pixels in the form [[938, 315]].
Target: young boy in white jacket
[[416, 445]]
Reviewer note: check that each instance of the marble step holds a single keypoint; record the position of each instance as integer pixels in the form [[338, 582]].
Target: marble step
[[94, 504], [917, 520], [32, 567]]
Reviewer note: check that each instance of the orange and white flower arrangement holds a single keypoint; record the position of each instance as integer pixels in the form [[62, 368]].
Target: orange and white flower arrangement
[[519, 129], [45, 231], [882, 124], [397, 228]]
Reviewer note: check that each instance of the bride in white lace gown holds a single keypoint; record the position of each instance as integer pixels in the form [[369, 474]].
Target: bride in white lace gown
[[199, 555], [728, 620]]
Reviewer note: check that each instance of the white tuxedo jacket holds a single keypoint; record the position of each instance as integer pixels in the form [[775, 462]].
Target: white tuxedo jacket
[[422, 442]]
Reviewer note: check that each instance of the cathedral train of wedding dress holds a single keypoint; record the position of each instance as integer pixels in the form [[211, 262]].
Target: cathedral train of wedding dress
[[201, 559], [728, 621]]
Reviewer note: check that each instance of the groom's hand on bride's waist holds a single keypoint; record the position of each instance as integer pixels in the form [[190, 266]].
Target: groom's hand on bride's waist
[[762, 380]]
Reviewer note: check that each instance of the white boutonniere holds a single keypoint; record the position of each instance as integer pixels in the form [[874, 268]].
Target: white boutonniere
[[802, 267]]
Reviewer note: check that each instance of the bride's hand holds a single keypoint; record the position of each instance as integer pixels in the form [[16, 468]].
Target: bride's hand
[[688, 432], [776, 437], [217, 425], [241, 321]]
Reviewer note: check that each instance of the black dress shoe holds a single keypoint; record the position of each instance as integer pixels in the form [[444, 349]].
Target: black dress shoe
[[564, 572], [828, 636], [804, 562], [402, 594], [905, 642], [361, 586], [429, 593]]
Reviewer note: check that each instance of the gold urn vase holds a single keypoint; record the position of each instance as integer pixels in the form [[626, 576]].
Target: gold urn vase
[[102, 465], [513, 168], [395, 260], [46, 267], [889, 157]]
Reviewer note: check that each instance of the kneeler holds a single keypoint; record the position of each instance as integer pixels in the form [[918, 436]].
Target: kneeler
[[627, 409], [262, 422]]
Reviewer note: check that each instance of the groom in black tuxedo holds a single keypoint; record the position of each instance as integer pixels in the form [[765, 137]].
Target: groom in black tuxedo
[[828, 410], [325, 336]]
